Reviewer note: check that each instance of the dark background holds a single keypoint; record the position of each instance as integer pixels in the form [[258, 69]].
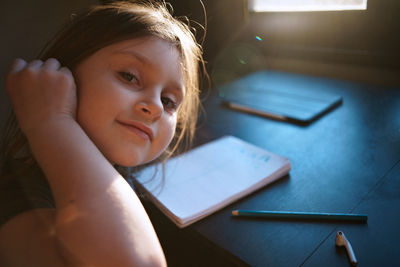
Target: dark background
[[359, 45]]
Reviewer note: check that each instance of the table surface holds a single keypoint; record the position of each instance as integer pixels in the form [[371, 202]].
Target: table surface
[[348, 161]]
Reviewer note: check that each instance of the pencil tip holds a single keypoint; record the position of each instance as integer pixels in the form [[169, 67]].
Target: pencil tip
[[235, 212]]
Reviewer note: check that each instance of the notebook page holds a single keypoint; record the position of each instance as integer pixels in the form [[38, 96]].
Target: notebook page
[[210, 176]]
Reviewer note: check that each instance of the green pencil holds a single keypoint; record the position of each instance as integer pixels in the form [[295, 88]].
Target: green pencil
[[300, 215]]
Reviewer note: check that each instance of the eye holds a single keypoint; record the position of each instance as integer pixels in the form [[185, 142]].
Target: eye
[[129, 77], [169, 103]]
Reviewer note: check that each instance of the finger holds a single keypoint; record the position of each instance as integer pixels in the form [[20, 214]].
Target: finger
[[17, 65], [68, 74], [51, 64], [66, 71], [34, 64]]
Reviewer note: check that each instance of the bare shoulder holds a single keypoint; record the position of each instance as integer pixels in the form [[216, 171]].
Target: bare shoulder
[[29, 240]]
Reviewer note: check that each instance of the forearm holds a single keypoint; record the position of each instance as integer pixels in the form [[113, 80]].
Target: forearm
[[96, 208]]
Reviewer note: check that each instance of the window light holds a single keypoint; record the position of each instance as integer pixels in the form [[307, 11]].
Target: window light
[[305, 5]]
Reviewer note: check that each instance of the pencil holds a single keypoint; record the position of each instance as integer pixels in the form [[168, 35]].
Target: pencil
[[300, 215], [256, 112]]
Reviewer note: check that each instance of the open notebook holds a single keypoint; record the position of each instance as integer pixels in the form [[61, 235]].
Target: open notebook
[[209, 178]]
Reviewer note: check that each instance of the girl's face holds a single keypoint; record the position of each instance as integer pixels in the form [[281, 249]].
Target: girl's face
[[129, 94]]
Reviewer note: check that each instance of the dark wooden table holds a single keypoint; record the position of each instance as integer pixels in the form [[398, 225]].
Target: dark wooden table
[[348, 161]]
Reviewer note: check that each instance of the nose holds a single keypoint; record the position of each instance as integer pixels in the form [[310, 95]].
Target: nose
[[150, 108]]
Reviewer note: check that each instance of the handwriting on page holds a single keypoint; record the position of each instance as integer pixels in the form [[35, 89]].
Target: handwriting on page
[[228, 158]]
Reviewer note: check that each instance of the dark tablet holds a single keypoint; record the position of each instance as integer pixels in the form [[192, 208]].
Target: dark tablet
[[281, 96]]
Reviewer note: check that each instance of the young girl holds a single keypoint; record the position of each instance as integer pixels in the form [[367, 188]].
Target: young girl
[[118, 87]]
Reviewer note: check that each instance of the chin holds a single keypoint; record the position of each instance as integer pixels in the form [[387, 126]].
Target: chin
[[130, 160]]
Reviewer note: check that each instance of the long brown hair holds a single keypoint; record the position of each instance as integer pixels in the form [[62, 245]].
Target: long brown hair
[[103, 25]]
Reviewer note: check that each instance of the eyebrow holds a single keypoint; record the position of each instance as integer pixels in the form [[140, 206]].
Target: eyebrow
[[143, 59], [176, 86]]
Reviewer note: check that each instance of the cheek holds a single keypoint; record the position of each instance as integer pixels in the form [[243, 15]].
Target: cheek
[[87, 107], [167, 133], [83, 110], [100, 99], [173, 129], [95, 112]]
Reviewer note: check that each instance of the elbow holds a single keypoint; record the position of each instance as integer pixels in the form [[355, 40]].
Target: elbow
[[155, 259], [158, 262]]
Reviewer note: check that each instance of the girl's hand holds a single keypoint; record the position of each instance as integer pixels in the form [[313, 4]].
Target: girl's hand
[[40, 91]]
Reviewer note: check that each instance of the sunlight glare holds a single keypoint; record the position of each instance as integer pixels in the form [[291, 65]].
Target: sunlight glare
[[305, 5]]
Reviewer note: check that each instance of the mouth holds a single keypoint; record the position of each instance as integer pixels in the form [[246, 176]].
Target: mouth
[[139, 129]]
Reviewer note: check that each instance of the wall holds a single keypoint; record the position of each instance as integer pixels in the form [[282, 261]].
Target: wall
[[25, 26], [353, 45]]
